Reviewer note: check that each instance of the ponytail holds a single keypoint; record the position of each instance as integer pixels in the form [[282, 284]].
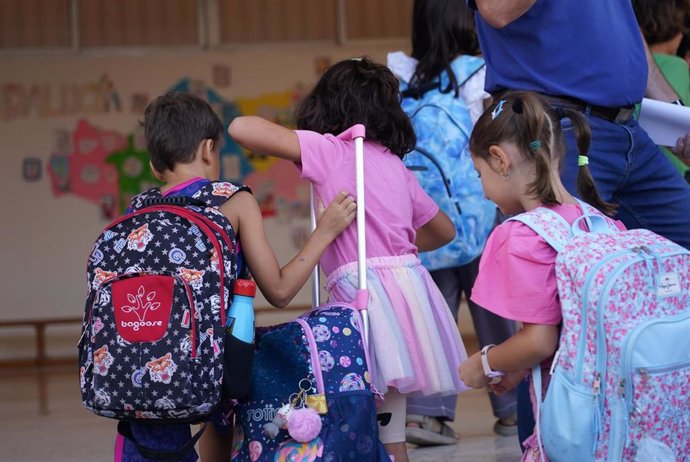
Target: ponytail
[[586, 187], [528, 119]]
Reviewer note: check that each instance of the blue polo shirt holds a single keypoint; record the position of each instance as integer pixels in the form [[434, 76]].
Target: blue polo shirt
[[591, 50]]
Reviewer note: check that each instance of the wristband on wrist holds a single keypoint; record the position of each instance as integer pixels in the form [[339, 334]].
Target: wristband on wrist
[[495, 376]]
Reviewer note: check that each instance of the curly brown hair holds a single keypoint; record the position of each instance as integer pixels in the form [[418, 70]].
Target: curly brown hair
[[358, 91]]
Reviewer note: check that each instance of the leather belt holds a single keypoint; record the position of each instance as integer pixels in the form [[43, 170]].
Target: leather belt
[[617, 115]]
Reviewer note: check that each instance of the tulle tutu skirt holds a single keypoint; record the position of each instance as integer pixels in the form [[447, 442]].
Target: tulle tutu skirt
[[415, 345]]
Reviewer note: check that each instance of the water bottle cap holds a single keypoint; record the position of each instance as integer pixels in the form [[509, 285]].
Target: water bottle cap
[[245, 287]]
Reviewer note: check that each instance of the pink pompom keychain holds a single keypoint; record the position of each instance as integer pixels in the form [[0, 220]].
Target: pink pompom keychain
[[304, 424]]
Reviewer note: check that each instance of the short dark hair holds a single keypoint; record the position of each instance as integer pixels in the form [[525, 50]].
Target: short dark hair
[[174, 125], [661, 20], [358, 91], [441, 31]]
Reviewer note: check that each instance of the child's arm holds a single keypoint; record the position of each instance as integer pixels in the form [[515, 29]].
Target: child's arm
[[280, 285], [437, 232], [530, 346], [263, 137]]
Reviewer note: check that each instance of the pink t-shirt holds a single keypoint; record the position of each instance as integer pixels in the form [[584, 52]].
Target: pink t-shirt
[[517, 275], [396, 205]]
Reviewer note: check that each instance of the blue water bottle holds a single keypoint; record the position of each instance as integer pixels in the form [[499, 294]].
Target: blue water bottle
[[241, 313], [239, 341]]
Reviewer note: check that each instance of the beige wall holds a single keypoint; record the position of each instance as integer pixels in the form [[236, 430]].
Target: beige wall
[[45, 240]]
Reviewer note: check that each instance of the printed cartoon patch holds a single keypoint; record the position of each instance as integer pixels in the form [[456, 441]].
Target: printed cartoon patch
[[139, 238], [102, 276], [214, 260], [192, 276], [224, 189], [162, 369], [102, 360]]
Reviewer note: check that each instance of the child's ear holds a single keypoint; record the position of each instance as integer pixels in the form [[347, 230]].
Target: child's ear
[[156, 174], [206, 151], [500, 159]]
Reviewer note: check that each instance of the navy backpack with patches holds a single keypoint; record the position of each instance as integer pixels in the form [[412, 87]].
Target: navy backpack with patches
[[159, 283]]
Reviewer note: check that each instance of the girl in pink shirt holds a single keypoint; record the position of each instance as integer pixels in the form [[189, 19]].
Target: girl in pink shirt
[[415, 344], [517, 147]]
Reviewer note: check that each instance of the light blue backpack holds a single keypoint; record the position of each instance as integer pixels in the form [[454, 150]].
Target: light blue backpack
[[443, 166], [620, 378]]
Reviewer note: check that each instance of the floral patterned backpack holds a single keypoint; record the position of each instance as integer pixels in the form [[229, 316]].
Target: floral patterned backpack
[[619, 386]]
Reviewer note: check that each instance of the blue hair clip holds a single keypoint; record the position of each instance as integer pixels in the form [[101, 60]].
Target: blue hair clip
[[534, 145], [498, 109]]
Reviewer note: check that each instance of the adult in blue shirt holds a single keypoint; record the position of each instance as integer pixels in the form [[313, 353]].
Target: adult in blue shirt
[[589, 55]]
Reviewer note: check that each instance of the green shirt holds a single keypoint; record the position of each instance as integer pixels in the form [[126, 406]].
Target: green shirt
[[675, 69]]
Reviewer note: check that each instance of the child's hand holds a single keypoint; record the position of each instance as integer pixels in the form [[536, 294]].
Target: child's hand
[[338, 216], [472, 372], [509, 381]]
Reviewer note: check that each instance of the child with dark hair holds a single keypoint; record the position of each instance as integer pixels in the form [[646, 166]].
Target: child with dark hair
[[517, 147], [183, 136], [414, 341]]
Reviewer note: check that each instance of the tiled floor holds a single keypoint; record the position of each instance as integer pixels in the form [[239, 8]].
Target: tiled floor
[[41, 420]]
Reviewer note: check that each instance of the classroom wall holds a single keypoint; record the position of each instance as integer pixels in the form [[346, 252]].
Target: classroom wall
[[51, 107]]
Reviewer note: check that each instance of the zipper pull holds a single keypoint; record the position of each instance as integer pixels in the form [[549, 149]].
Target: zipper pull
[[555, 361], [597, 384], [621, 388]]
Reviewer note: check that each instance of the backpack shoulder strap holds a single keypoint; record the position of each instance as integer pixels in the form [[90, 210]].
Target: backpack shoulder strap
[[216, 193], [418, 92], [556, 231], [596, 221], [552, 227], [213, 194]]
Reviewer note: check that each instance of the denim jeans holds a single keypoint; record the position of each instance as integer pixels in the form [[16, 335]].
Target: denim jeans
[[630, 170]]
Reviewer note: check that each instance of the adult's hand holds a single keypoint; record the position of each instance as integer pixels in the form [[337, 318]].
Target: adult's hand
[[682, 149], [500, 13]]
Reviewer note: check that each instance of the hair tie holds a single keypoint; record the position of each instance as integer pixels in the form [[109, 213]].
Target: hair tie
[[517, 106], [534, 145], [582, 160]]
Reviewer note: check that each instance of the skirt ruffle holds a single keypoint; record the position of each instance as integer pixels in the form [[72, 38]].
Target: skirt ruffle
[[415, 345]]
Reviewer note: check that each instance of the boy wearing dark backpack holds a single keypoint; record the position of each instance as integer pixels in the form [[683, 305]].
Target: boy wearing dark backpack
[[183, 137]]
